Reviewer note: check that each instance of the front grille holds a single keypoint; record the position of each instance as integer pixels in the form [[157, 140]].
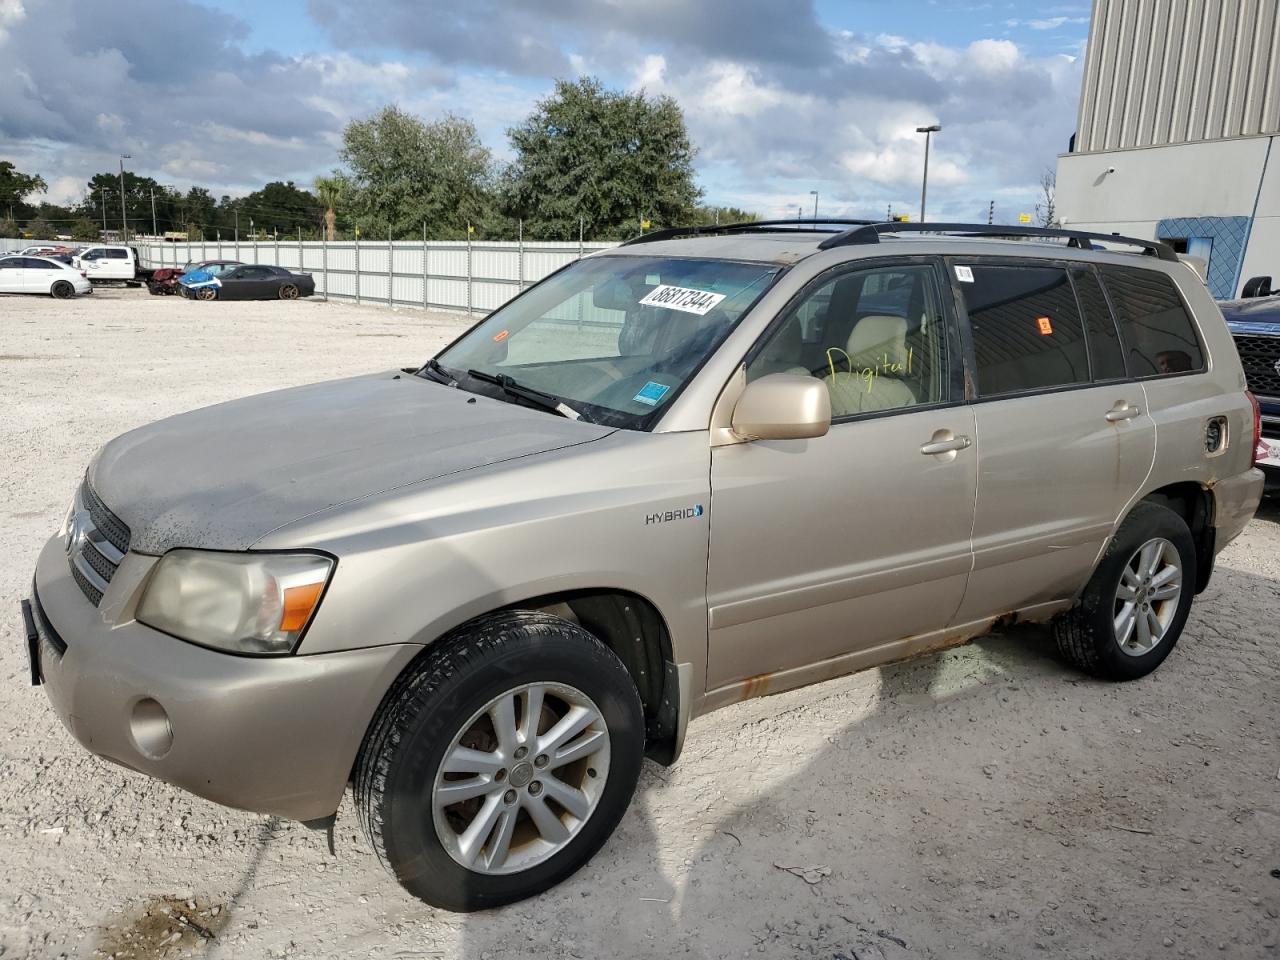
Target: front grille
[[97, 541], [1260, 356]]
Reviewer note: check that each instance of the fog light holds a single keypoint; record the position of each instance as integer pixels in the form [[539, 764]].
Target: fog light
[[149, 724]]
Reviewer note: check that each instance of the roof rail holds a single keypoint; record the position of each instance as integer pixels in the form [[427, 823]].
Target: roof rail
[[870, 233], [805, 225]]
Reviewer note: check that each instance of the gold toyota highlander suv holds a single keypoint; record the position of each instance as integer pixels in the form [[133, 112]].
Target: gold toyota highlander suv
[[709, 464]]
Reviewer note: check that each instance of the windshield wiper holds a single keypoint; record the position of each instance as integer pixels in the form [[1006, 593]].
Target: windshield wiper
[[438, 373], [544, 401]]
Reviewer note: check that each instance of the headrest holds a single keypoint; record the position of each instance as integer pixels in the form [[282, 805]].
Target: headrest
[[880, 342]]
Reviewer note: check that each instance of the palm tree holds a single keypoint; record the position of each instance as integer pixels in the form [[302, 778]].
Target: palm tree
[[330, 190]]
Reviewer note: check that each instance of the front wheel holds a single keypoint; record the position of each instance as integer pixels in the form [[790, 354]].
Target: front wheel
[[206, 293], [62, 290], [501, 762], [1134, 608]]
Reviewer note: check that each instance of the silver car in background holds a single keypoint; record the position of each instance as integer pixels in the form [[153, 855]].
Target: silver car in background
[[671, 476]]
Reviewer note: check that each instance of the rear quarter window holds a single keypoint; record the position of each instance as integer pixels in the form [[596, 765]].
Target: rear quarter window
[[1026, 328], [1158, 334]]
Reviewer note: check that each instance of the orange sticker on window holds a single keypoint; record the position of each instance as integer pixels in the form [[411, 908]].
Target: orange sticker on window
[[1046, 327], [499, 337]]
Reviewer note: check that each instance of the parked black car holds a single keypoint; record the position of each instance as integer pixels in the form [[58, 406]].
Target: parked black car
[[1254, 320], [249, 282]]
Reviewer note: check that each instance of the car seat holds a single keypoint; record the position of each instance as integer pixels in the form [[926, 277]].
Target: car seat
[[877, 359]]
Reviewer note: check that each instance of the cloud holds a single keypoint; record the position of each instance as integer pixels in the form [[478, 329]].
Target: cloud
[[777, 102]]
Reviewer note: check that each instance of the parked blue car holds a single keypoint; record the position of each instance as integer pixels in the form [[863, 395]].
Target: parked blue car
[[1254, 320]]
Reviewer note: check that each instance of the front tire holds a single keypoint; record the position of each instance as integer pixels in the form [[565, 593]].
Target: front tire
[[1134, 607], [501, 762], [62, 290], [206, 293]]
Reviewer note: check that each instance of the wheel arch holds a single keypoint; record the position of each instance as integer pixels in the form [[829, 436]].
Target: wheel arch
[[1195, 504], [632, 627]]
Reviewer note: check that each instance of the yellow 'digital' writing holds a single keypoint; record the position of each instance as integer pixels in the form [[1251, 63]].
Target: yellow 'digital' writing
[[869, 374]]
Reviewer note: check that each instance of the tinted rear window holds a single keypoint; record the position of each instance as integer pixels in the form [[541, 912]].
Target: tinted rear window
[[1027, 333], [1158, 335]]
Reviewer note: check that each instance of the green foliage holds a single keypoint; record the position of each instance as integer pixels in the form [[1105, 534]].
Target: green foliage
[[41, 229], [8, 227], [15, 187], [279, 208], [611, 158], [331, 192], [710, 215], [84, 229], [404, 172]]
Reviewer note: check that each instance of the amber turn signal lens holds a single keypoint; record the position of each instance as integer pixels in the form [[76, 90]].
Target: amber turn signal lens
[[298, 604]]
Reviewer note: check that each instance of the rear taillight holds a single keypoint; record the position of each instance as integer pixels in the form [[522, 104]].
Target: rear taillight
[[1259, 451]]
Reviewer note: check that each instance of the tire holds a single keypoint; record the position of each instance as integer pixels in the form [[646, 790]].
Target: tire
[[207, 293], [288, 291], [62, 290], [1089, 634], [155, 289], [442, 700]]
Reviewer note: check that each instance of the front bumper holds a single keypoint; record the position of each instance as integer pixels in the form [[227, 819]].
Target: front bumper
[[271, 735]]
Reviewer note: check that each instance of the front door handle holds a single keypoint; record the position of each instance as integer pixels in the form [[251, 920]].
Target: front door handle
[[945, 445], [1122, 411]]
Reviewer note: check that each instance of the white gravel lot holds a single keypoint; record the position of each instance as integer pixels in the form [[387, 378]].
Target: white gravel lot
[[983, 802]]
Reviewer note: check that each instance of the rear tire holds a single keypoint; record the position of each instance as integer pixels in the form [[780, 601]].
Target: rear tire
[[1129, 617], [62, 290], [533, 669], [288, 292]]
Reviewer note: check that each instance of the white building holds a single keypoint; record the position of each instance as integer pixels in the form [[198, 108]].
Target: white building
[[1179, 114]]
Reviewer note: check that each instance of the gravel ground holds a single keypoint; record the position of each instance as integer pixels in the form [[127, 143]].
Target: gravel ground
[[982, 802]]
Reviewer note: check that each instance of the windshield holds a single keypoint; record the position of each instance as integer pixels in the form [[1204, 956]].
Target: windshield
[[614, 337]]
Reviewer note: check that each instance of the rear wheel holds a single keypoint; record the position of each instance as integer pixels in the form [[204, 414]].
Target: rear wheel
[[502, 762], [288, 292], [206, 293], [1134, 608], [63, 290]]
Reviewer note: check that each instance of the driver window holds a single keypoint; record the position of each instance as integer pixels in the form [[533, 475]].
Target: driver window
[[876, 338]]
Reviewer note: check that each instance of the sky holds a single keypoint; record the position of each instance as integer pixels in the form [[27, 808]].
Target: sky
[[781, 97]]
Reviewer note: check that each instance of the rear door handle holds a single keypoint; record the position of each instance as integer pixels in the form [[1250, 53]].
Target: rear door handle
[[1122, 411], [935, 447]]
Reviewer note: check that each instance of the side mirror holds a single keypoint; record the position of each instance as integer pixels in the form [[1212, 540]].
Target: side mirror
[[1256, 287], [782, 406]]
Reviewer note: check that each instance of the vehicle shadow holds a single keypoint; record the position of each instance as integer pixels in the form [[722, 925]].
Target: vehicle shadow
[[983, 801]]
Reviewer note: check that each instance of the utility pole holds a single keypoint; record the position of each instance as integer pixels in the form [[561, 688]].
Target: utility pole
[[815, 203], [155, 231], [924, 185], [991, 212], [124, 216], [104, 208]]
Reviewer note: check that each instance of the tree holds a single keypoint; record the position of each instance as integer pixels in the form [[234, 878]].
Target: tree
[[138, 192], [15, 187], [712, 215], [610, 158], [41, 229], [330, 190], [8, 228], [1046, 206], [84, 229], [404, 172]]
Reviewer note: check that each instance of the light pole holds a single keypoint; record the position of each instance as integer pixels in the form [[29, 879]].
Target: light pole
[[814, 194], [124, 217], [924, 186]]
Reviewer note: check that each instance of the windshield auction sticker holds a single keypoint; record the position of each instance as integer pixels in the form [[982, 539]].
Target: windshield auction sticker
[[683, 299]]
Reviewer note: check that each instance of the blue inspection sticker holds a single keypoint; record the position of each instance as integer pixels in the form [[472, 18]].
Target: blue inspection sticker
[[651, 393]]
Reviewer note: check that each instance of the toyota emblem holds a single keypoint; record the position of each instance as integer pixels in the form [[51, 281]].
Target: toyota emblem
[[77, 531]]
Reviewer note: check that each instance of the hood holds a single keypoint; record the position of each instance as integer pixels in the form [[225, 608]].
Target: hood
[[1255, 311], [225, 476]]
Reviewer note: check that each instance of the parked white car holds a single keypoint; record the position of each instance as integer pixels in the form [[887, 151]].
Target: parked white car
[[110, 262], [42, 275]]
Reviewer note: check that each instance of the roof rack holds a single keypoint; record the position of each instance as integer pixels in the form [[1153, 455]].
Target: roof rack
[[870, 233], [805, 225]]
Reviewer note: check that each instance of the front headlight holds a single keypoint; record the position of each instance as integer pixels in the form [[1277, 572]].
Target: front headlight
[[255, 603]]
